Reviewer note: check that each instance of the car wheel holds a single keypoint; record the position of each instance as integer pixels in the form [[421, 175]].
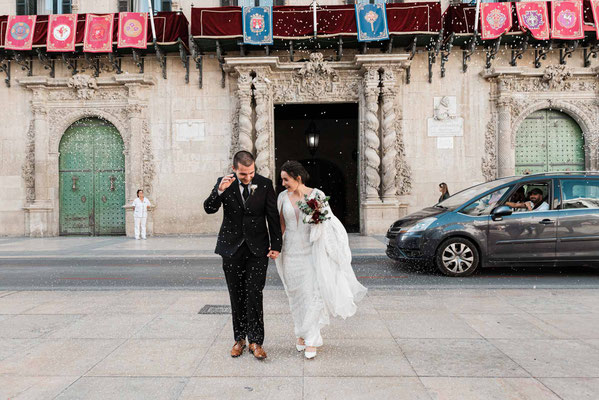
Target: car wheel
[[457, 257]]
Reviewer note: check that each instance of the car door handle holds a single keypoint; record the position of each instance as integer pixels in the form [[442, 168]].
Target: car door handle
[[546, 222]]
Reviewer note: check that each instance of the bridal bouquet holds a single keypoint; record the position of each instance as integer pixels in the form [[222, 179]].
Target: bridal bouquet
[[314, 209]]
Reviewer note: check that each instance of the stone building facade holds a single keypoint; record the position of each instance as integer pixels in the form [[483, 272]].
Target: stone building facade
[[178, 138]]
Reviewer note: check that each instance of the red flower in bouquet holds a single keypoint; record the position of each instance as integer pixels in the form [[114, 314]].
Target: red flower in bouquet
[[314, 209]]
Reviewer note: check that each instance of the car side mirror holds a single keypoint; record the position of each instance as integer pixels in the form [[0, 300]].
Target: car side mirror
[[501, 211]]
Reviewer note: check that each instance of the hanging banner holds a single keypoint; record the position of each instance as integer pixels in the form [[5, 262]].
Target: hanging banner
[[98, 33], [61, 32], [19, 32], [534, 17], [133, 30], [371, 21], [495, 19], [595, 8], [257, 25], [566, 17]]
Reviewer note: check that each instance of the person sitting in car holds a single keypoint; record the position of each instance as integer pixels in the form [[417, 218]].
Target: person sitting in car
[[535, 203], [518, 197]]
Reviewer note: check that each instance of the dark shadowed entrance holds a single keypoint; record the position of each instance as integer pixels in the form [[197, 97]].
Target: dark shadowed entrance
[[333, 165]]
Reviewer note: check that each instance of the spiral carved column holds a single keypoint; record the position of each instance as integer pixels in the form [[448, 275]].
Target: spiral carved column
[[244, 95], [262, 97], [389, 146], [371, 136]]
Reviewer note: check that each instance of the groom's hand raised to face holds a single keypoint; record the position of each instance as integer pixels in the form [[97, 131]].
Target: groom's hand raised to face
[[226, 182]]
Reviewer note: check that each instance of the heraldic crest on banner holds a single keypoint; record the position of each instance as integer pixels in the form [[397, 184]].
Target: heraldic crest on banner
[[371, 21], [496, 19], [533, 17], [19, 32], [257, 25]]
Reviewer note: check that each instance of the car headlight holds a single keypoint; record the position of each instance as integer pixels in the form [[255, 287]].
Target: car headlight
[[420, 226]]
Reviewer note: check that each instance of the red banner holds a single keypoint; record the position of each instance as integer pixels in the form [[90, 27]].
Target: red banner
[[133, 30], [496, 19], [98, 33], [566, 17], [534, 17], [595, 8], [62, 31], [19, 32]]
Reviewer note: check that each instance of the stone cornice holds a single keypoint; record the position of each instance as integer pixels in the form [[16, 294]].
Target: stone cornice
[[118, 80]]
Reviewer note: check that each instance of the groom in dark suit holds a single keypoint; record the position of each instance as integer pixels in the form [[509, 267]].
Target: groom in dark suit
[[245, 244]]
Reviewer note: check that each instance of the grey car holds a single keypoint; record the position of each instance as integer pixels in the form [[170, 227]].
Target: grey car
[[497, 224]]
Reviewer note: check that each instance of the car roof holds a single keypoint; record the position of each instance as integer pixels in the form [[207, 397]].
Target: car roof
[[560, 174]]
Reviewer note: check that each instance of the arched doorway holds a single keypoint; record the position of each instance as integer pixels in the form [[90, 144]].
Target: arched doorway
[[549, 140], [92, 179]]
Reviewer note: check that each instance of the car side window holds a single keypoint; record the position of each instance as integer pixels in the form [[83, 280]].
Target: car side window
[[485, 204], [580, 193]]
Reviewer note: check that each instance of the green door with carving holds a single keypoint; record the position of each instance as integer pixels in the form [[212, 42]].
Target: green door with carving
[[92, 179], [547, 141]]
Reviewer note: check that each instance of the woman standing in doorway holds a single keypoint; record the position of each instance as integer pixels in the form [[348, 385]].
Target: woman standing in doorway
[[444, 191], [140, 215]]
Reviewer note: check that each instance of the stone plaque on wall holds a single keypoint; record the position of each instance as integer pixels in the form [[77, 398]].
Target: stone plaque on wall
[[445, 121], [189, 130]]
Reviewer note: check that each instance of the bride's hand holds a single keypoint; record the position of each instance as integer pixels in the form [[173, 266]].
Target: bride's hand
[[273, 254]]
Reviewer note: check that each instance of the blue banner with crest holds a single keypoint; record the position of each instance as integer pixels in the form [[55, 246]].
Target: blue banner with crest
[[257, 25], [371, 21]]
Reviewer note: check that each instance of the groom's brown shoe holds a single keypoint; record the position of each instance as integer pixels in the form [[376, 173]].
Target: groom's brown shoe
[[258, 351], [237, 349]]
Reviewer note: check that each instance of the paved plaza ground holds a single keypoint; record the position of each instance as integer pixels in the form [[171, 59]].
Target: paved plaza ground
[[403, 344]]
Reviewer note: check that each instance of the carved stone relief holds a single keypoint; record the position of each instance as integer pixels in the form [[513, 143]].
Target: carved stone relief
[[28, 170]]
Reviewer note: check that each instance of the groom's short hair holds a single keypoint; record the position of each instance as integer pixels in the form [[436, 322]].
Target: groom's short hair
[[244, 158]]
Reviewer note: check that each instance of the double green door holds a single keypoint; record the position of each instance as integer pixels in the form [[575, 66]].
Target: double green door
[[92, 180], [547, 141]]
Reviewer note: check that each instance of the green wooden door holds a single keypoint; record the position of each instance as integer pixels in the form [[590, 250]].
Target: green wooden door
[[547, 141], [92, 180]]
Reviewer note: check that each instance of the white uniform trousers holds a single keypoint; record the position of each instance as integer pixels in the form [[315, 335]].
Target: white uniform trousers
[[140, 225]]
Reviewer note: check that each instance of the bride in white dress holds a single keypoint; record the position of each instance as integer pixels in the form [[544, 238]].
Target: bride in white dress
[[315, 263]]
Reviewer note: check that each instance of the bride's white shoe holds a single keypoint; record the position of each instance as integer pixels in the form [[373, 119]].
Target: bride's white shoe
[[300, 345], [310, 354]]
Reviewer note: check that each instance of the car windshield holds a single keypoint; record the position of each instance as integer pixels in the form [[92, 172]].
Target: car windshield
[[466, 195]]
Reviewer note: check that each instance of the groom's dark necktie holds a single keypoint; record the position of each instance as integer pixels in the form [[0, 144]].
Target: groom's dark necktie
[[246, 192]]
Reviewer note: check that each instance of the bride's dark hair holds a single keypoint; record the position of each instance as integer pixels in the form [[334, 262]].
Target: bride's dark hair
[[295, 169]]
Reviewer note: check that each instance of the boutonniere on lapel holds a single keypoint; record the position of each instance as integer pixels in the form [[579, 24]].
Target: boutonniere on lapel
[[252, 189]]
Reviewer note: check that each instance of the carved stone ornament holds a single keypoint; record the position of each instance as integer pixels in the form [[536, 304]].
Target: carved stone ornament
[[148, 159], [489, 160], [556, 77], [84, 84], [28, 170], [316, 80]]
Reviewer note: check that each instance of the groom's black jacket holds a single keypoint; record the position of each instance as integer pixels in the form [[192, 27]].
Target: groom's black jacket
[[247, 223]]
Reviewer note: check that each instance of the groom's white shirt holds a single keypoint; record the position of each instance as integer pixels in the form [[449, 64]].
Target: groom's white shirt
[[241, 189]]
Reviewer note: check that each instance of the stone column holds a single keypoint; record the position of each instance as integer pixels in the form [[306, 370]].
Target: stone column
[[372, 142], [262, 95], [244, 96], [506, 157], [39, 208], [389, 133]]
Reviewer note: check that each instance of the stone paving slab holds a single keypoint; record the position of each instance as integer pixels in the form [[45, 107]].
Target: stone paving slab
[[402, 344]]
